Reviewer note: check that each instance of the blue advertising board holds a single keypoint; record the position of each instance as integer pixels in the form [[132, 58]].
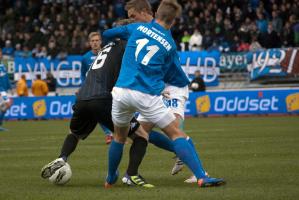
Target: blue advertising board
[[259, 64], [207, 62], [238, 102], [66, 72], [56, 107], [233, 62], [243, 102]]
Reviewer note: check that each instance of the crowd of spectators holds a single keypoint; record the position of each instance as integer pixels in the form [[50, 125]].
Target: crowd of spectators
[[56, 28], [238, 25]]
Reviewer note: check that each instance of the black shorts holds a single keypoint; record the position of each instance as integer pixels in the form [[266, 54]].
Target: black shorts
[[87, 114]]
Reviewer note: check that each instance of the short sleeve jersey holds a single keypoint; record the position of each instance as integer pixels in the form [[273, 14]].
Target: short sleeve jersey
[[149, 55]]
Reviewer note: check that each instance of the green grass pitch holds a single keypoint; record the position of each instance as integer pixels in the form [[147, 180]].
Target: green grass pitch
[[257, 156]]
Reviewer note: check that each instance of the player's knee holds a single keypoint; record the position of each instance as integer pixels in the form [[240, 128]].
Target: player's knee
[[140, 133], [174, 132], [121, 122], [120, 138], [132, 135], [75, 135]]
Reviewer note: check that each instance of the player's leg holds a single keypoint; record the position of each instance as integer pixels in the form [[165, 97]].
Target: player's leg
[[156, 138], [135, 155], [175, 99], [5, 103], [108, 134], [178, 163], [160, 140], [137, 152], [115, 153], [81, 125], [182, 148], [105, 129], [138, 148], [189, 156], [1, 120], [1, 117], [192, 178], [121, 116], [178, 166], [148, 109], [165, 119]]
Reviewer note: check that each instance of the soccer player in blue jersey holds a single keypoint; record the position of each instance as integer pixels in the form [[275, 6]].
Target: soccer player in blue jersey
[[175, 97], [149, 57], [5, 85], [95, 42]]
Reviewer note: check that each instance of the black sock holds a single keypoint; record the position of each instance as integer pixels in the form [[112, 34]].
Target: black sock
[[69, 145], [137, 152]]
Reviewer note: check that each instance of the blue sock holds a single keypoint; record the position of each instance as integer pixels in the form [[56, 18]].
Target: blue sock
[[193, 147], [160, 140], [114, 157], [189, 156], [105, 129]]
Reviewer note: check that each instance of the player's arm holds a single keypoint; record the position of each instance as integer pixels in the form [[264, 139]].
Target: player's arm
[[84, 69], [122, 32], [178, 66], [173, 72], [171, 62], [8, 84]]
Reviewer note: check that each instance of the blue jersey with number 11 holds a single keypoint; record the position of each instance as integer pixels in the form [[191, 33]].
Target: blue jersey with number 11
[[148, 56]]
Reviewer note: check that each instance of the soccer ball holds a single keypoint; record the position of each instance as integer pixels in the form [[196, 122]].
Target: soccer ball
[[194, 86], [127, 181], [61, 175]]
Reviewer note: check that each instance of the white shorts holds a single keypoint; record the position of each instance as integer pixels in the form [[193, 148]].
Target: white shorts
[[126, 102], [177, 100]]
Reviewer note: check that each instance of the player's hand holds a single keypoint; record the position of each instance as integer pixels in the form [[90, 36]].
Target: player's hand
[[166, 94]]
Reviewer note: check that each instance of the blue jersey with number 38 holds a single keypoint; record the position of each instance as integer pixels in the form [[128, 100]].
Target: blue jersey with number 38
[[150, 55]]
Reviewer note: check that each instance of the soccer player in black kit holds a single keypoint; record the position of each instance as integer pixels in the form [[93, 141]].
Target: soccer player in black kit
[[93, 105]]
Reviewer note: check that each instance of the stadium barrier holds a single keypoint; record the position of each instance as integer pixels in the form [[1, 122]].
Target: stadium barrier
[[52, 107], [259, 64], [243, 102], [237, 102]]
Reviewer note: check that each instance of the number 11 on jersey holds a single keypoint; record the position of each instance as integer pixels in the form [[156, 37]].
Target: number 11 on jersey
[[151, 50]]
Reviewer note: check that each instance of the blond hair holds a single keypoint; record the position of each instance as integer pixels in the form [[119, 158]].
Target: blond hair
[[92, 34], [168, 10]]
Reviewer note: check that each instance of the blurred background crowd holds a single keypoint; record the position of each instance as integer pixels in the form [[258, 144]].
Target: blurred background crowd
[[56, 28]]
